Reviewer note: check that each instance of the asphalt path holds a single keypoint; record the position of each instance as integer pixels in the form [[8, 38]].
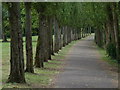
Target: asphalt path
[[85, 69]]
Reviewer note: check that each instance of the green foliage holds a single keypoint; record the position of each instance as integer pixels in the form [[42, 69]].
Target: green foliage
[[5, 20], [76, 14]]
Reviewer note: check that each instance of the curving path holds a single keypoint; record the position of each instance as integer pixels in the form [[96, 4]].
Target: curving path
[[85, 69]]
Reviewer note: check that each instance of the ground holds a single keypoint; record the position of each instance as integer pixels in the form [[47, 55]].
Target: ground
[[85, 69], [80, 65]]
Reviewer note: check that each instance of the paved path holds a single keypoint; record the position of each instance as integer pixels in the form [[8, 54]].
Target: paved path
[[85, 69]]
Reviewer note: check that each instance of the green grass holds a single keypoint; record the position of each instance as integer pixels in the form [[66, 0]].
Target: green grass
[[42, 77], [34, 38], [107, 58]]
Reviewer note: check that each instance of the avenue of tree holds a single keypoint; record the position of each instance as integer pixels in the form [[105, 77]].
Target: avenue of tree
[[56, 25]]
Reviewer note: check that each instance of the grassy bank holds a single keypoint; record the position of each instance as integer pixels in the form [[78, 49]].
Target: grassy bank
[[42, 77], [107, 58]]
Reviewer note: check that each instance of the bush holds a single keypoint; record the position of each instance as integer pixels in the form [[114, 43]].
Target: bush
[[111, 50]]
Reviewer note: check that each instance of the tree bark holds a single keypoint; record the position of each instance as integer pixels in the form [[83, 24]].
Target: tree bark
[[4, 37], [17, 60], [29, 54], [56, 36], [50, 37], [40, 54], [60, 38], [46, 39], [64, 36], [52, 45]]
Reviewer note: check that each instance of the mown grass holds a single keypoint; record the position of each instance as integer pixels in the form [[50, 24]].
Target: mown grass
[[42, 77], [107, 58]]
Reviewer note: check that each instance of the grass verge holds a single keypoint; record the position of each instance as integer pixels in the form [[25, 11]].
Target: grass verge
[[107, 58]]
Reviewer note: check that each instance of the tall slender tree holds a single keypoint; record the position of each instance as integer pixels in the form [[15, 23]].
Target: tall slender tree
[[29, 54]]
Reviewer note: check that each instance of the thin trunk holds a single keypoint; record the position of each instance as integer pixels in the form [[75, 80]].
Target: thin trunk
[[4, 37], [50, 37], [64, 37], [67, 35], [17, 60], [60, 38], [56, 35], [51, 34], [29, 54]]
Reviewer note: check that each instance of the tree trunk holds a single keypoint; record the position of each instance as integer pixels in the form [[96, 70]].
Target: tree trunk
[[52, 45], [99, 37], [110, 24], [46, 39], [39, 58], [17, 59], [4, 37], [64, 36], [29, 54], [60, 38], [56, 35], [50, 37]]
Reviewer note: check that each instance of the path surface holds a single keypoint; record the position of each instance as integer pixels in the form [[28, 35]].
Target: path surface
[[85, 69]]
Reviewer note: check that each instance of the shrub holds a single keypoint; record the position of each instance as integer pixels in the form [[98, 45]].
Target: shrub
[[111, 50]]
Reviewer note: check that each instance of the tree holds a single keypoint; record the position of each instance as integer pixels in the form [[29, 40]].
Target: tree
[[16, 59], [29, 54], [41, 55], [116, 28]]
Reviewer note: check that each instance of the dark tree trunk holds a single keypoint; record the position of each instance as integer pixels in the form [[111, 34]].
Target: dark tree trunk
[[46, 39], [75, 34], [107, 35], [110, 24], [64, 36], [60, 38], [29, 54], [99, 39], [4, 37], [70, 34], [82, 33], [62, 31], [39, 58], [52, 45], [56, 36], [67, 31], [50, 37], [17, 60]]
